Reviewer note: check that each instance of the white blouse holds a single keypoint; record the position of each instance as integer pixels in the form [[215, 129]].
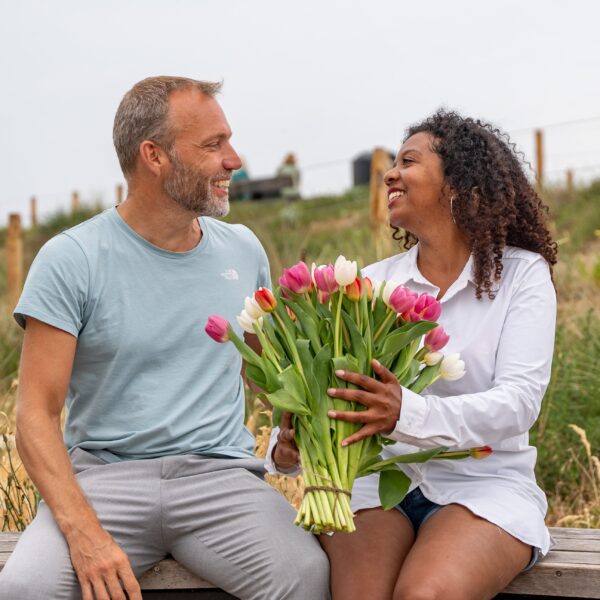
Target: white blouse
[[507, 345]]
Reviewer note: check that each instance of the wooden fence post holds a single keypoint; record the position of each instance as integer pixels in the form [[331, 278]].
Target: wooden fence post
[[14, 259], [569, 182], [539, 155], [33, 210], [74, 202], [119, 193], [380, 163]]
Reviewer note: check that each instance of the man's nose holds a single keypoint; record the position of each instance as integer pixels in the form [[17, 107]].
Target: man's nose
[[232, 161]]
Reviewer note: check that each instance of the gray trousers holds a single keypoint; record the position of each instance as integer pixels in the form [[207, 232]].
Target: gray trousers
[[213, 515]]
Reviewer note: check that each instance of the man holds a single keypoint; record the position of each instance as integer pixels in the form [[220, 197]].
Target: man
[[158, 460]]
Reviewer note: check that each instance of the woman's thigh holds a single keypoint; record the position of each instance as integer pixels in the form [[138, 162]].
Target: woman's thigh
[[459, 556], [366, 563]]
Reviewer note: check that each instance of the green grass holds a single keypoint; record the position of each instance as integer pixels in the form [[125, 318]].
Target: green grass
[[322, 228]]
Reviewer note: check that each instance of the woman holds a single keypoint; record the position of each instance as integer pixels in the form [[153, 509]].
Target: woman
[[466, 528]]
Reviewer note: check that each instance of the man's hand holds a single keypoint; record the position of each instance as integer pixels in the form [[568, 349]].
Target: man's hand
[[285, 453], [101, 566]]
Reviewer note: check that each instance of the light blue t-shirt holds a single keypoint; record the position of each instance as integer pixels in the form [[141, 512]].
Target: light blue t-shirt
[[147, 380]]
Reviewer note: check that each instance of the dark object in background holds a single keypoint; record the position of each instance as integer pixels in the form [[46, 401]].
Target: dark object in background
[[259, 189], [361, 168]]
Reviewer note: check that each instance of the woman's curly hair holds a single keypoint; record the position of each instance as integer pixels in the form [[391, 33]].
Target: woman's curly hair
[[493, 203]]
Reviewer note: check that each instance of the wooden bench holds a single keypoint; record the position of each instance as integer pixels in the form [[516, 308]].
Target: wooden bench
[[570, 570]]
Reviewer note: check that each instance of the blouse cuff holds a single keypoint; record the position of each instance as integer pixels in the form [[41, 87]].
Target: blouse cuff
[[270, 465], [412, 417]]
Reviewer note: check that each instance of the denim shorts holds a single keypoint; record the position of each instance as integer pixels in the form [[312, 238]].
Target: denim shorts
[[417, 509]]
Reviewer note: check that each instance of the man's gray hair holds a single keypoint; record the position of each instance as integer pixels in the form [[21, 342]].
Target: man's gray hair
[[143, 115]]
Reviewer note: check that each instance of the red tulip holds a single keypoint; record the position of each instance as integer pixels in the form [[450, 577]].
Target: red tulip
[[368, 288], [479, 453], [354, 290], [265, 299]]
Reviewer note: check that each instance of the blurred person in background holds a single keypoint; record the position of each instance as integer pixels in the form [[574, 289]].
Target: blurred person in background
[[289, 168]]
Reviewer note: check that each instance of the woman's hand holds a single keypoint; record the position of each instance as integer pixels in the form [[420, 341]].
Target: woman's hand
[[383, 399], [285, 453]]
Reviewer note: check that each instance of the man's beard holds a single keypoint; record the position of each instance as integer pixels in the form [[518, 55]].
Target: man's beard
[[192, 190]]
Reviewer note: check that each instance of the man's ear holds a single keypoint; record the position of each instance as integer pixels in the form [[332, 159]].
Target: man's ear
[[153, 158]]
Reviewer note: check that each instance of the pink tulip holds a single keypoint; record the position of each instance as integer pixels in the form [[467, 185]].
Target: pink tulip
[[354, 290], [297, 278], [436, 339], [426, 308], [265, 299], [402, 300], [324, 277], [218, 328]]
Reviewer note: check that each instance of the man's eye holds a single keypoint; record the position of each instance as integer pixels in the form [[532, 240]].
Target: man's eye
[[406, 161]]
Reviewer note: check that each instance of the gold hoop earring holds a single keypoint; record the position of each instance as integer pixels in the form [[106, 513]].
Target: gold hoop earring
[[452, 209]]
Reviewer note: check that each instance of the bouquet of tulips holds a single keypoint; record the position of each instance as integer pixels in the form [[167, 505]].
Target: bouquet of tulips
[[314, 324]]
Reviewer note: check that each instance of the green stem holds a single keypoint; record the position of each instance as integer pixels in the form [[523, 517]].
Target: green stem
[[337, 352], [383, 325]]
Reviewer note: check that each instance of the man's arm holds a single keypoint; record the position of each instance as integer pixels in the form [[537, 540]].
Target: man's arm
[[45, 371]]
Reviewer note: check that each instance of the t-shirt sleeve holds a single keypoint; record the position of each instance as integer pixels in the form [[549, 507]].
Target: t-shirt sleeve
[[57, 285], [263, 278]]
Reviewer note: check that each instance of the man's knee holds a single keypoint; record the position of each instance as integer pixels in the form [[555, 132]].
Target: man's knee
[[307, 578], [33, 588]]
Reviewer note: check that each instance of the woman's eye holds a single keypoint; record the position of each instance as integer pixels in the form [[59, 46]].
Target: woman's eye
[[406, 161]]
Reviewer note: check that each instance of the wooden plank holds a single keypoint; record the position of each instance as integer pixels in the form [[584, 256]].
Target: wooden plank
[[576, 532], [546, 580], [561, 557], [571, 570]]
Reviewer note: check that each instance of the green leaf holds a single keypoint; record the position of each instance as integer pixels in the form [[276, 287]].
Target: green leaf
[[305, 322], [426, 376], [270, 372], [393, 487], [359, 348], [414, 457], [291, 380], [256, 374], [410, 373], [283, 400], [276, 416], [272, 336], [401, 337]]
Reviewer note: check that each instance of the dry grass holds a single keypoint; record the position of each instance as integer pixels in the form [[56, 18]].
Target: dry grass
[[581, 508]]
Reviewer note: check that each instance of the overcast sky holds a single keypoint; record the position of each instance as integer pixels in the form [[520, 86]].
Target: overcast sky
[[327, 79]]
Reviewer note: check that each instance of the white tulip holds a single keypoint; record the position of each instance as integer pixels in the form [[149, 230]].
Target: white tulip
[[452, 368], [433, 358], [345, 271], [390, 286], [252, 308], [246, 322]]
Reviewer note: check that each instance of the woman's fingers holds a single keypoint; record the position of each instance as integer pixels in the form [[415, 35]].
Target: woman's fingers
[[385, 375]]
